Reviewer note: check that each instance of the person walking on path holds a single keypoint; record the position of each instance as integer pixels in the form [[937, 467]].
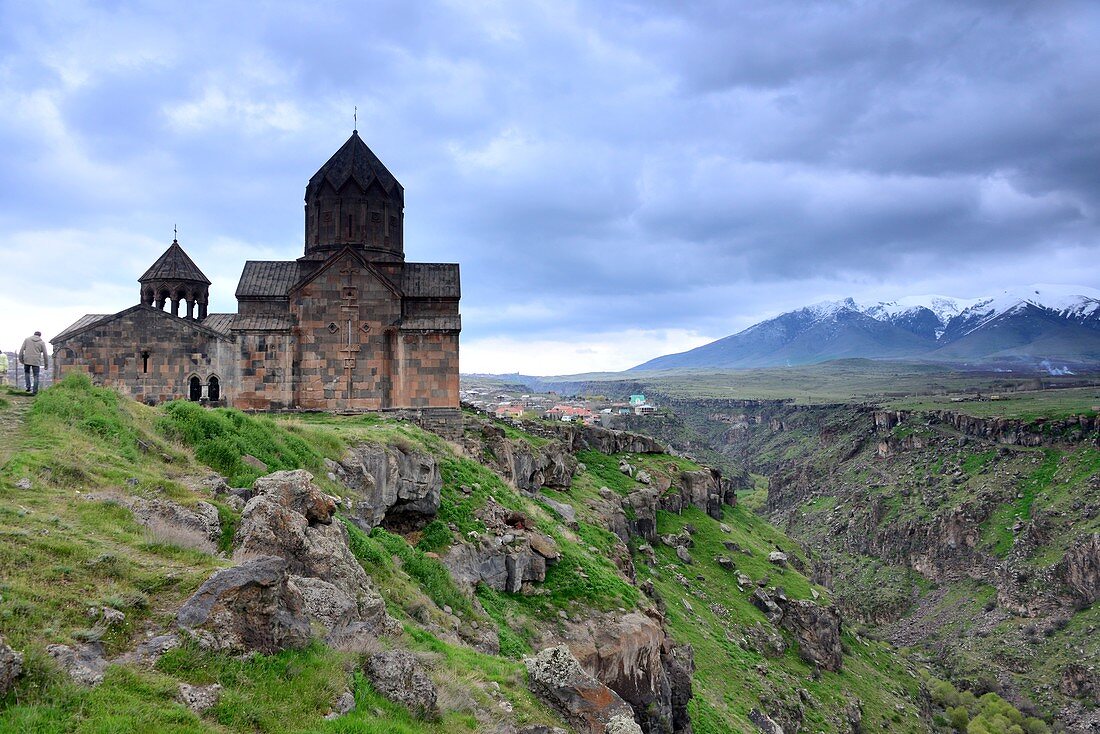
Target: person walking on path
[[33, 356]]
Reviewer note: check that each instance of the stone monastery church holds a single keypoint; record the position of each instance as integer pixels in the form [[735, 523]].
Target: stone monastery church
[[349, 326]]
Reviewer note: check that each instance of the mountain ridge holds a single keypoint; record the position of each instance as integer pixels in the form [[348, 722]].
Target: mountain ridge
[[1033, 323]]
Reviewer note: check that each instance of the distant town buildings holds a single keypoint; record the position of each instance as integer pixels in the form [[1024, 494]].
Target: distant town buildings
[[512, 405]]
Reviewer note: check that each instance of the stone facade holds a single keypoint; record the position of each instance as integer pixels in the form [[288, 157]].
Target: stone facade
[[350, 326]]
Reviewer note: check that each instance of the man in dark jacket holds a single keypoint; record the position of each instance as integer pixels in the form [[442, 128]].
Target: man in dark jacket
[[33, 356]]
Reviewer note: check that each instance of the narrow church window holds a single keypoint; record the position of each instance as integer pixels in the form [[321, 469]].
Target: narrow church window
[[351, 218], [145, 362], [214, 390], [195, 389]]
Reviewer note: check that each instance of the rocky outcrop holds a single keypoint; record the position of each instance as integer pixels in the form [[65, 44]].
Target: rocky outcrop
[[1008, 431], [1015, 432], [399, 676], [505, 557], [631, 654], [640, 507], [1080, 682], [580, 437], [85, 663], [289, 517], [586, 704], [11, 666], [703, 488], [526, 466], [1079, 570], [252, 607], [817, 628], [389, 485]]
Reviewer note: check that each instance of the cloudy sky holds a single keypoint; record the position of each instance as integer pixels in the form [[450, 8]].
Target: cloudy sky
[[619, 180]]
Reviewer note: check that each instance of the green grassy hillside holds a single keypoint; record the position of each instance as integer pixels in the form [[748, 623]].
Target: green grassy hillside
[[69, 544]]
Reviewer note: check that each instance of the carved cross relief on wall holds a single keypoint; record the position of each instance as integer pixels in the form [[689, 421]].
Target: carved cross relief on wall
[[349, 311]]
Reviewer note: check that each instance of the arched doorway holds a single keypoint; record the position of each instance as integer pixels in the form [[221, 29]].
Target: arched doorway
[[215, 389], [195, 388]]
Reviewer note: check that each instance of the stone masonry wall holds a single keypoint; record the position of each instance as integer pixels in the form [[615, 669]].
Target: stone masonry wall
[[344, 353], [111, 354]]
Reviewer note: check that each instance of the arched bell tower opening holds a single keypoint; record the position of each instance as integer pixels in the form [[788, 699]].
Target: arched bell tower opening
[[174, 283]]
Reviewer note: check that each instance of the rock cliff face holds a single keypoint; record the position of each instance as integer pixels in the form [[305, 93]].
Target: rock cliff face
[[579, 437], [527, 467], [392, 487], [704, 489], [1003, 505], [1079, 570]]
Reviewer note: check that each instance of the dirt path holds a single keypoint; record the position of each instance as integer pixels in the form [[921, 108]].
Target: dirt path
[[11, 420]]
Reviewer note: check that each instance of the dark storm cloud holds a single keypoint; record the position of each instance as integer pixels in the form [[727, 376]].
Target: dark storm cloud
[[622, 166]]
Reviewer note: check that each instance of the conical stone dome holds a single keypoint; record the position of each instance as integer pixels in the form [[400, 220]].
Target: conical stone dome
[[353, 199]]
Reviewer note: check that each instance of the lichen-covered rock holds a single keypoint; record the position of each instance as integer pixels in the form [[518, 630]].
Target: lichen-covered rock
[[398, 675], [11, 666], [391, 486], [250, 607], [291, 518], [586, 704], [199, 698], [84, 663]]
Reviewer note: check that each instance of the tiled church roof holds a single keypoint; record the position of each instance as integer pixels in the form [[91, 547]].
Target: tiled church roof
[[83, 322], [267, 278], [174, 264], [219, 322], [430, 280], [274, 278]]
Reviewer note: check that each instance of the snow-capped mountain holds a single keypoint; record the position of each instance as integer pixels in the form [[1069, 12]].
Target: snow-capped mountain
[[1032, 323]]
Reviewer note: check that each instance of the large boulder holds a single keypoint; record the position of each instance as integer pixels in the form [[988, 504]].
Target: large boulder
[[631, 654], [398, 675], [391, 486], [817, 629], [11, 666], [290, 517], [248, 608], [584, 702]]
